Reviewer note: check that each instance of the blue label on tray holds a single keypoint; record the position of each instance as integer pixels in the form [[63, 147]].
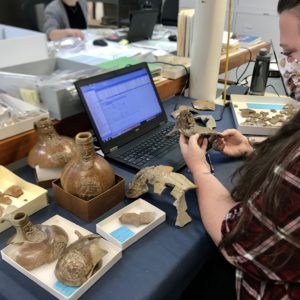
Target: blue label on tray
[[122, 234], [65, 289], [265, 106]]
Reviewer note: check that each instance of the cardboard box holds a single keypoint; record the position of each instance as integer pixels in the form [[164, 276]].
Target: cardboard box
[[124, 235], [33, 199], [19, 45], [174, 67], [44, 275], [88, 210], [60, 102]]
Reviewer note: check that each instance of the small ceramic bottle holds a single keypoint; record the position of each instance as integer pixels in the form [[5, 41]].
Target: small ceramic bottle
[[52, 150], [35, 245], [87, 175]]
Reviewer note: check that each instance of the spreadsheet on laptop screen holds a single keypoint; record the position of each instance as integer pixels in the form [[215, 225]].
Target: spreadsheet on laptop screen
[[121, 103]]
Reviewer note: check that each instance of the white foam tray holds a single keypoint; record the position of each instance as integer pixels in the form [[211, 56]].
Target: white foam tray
[[44, 275], [33, 199], [242, 101], [111, 224], [22, 125]]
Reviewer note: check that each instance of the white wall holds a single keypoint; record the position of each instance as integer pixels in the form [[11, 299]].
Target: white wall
[[253, 17], [258, 17]]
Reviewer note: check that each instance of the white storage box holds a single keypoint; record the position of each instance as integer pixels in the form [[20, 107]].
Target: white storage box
[[33, 199], [21, 126], [270, 105], [60, 102], [20, 46], [125, 235], [25, 124], [44, 275]]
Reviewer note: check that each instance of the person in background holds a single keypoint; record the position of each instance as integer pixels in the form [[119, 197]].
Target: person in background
[[65, 18], [256, 226]]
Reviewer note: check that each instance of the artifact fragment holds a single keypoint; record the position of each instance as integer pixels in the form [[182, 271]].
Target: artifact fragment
[[176, 112], [14, 191], [270, 118], [5, 199], [186, 124], [137, 219], [204, 105], [35, 244], [87, 175], [52, 150], [80, 260], [247, 112], [160, 177]]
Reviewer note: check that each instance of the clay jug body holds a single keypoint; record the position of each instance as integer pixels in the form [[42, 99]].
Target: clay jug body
[[52, 150], [87, 175], [35, 245]]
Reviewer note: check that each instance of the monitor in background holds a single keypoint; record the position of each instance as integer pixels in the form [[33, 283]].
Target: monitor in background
[[118, 13], [154, 5], [169, 13], [141, 27], [142, 24]]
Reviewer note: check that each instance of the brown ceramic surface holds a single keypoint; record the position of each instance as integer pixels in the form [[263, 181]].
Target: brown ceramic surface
[[52, 150], [87, 174]]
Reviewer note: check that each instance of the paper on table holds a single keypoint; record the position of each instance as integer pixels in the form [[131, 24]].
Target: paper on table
[[157, 44]]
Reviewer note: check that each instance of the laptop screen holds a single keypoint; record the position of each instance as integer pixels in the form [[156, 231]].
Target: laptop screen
[[121, 103]]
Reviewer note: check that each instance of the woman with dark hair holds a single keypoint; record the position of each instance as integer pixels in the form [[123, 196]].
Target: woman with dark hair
[[65, 18], [257, 225]]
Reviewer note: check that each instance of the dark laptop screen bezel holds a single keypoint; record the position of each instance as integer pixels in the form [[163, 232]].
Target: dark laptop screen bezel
[[123, 139], [142, 23]]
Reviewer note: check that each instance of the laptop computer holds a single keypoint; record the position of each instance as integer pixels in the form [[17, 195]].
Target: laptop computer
[[141, 26], [128, 118]]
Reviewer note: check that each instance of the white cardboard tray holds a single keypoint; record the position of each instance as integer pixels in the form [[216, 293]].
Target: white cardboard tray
[[266, 103], [43, 174], [22, 126], [44, 275], [33, 199], [129, 234]]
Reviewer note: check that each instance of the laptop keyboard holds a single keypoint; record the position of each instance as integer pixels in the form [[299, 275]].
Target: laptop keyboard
[[156, 145]]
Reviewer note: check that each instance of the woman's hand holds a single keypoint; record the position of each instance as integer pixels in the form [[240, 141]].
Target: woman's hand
[[75, 33], [232, 143], [58, 34], [193, 150]]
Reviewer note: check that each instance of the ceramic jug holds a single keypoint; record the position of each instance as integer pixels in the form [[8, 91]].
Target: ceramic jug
[[87, 174], [52, 150]]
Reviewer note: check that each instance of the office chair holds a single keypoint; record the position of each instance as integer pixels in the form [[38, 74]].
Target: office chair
[[33, 11], [169, 14]]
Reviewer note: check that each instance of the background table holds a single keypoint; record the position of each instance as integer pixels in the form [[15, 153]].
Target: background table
[[158, 266], [17, 147]]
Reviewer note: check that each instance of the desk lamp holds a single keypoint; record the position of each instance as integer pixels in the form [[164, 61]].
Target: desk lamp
[[208, 27]]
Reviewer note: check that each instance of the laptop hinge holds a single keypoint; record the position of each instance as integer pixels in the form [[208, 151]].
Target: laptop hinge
[[113, 149]]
